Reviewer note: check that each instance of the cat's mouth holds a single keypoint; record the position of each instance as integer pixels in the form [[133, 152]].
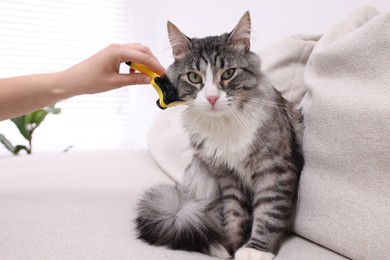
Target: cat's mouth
[[216, 111]]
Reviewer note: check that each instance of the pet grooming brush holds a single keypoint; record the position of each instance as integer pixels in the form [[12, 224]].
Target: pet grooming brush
[[168, 95]]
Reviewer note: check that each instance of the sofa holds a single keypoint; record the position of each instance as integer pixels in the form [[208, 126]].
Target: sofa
[[81, 205]]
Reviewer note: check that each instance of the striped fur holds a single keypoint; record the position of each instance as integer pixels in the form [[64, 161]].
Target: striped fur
[[239, 191]]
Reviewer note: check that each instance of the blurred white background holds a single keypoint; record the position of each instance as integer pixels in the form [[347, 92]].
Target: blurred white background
[[46, 36]]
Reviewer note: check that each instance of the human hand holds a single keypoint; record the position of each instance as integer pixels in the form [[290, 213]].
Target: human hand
[[100, 72]]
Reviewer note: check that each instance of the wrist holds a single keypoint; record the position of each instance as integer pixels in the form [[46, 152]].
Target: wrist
[[64, 85]]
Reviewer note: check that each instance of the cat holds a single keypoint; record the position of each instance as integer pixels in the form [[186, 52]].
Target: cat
[[239, 191]]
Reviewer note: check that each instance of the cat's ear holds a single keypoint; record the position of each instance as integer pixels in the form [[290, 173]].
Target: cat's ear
[[179, 42], [240, 36]]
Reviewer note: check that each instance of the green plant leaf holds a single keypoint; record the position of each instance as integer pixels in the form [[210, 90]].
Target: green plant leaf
[[13, 149], [18, 148], [36, 117], [22, 126], [53, 110], [6, 143], [39, 116], [27, 125], [29, 118]]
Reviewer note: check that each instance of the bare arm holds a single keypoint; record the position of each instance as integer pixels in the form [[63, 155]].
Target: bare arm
[[99, 73]]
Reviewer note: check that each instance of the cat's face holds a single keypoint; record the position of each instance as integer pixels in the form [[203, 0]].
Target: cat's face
[[214, 75]]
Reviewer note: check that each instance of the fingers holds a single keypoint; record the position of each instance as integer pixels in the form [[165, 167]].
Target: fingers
[[144, 49], [141, 54], [132, 79]]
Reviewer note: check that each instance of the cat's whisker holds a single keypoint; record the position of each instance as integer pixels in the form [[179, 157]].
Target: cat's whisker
[[262, 102], [242, 123], [251, 106], [258, 98]]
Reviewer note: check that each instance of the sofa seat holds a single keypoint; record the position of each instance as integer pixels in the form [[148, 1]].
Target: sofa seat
[[81, 205]]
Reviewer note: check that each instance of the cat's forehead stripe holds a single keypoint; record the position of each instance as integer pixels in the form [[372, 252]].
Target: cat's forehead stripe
[[202, 62], [218, 60], [221, 62]]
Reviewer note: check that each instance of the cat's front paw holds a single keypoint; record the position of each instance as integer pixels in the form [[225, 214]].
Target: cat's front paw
[[246, 253]]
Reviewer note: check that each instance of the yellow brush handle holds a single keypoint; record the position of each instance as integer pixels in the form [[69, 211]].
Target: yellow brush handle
[[160, 94], [142, 68]]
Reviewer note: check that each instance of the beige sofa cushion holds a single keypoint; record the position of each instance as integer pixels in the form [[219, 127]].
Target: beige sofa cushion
[[285, 64], [344, 194]]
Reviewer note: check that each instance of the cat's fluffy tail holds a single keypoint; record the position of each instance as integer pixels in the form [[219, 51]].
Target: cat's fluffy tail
[[170, 216]]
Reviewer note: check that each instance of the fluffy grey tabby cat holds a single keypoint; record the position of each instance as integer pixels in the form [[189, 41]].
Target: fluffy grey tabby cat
[[238, 194]]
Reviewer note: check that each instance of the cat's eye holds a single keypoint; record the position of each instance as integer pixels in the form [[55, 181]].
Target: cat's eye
[[228, 74], [194, 78]]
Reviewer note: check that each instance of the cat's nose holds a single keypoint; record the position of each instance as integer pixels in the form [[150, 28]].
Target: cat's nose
[[212, 99]]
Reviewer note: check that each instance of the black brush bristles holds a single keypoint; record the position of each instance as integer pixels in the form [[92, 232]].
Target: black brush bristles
[[170, 94]]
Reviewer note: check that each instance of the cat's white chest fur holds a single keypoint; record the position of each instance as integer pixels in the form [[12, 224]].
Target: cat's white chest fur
[[227, 140], [228, 144]]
